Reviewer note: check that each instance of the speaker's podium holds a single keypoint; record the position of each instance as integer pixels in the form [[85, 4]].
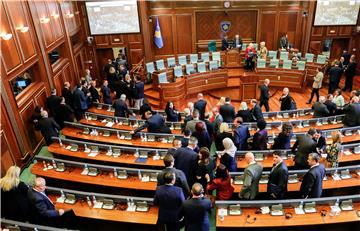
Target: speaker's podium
[[249, 87], [233, 58]]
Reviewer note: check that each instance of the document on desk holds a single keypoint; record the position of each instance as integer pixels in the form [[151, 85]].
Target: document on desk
[[92, 154], [299, 211], [109, 124], [60, 199], [222, 212], [98, 205]]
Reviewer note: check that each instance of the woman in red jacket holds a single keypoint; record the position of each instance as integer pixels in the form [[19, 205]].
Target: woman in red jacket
[[250, 54], [222, 184]]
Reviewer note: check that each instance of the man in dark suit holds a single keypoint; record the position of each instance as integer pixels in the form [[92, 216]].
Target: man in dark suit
[[95, 97], [106, 93], [52, 102], [278, 178], [65, 113], [190, 125], [265, 95], [286, 100], [217, 120], [121, 108], [305, 144], [67, 94], [311, 185], [225, 43], [352, 113], [185, 159], [350, 72], [185, 138], [196, 210], [346, 55], [284, 42], [241, 134], [200, 105], [330, 105], [255, 112], [252, 175], [139, 92], [155, 123], [169, 198], [48, 127], [227, 111], [320, 109], [335, 73], [176, 145], [80, 102]]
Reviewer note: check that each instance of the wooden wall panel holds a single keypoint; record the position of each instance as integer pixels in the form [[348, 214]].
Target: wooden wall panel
[[40, 11], [7, 159], [136, 55], [40, 98], [315, 47], [317, 31], [345, 31], [59, 81], [165, 22], [102, 40], [117, 39], [55, 22], [25, 115], [287, 25], [183, 34], [267, 29]]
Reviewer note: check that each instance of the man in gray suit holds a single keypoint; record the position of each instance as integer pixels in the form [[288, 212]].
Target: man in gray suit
[[218, 119], [320, 109], [252, 175], [304, 144]]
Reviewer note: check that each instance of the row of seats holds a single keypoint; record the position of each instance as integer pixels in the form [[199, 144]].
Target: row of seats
[[182, 60], [284, 55], [287, 64]]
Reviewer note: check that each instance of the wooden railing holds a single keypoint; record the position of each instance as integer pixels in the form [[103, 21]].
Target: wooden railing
[[139, 69]]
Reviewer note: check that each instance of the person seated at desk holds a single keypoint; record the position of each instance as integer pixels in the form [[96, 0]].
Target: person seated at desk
[[320, 109], [237, 42], [284, 42], [282, 141], [252, 175], [278, 178], [121, 108], [171, 114], [154, 123], [352, 113], [221, 183], [225, 43]]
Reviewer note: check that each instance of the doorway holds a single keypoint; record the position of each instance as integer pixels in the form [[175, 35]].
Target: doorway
[[337, 47]]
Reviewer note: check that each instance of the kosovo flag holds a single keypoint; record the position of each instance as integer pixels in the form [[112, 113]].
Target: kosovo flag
[[157, 35]]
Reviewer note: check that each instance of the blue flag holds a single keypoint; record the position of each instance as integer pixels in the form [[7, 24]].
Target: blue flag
[[157, 35]]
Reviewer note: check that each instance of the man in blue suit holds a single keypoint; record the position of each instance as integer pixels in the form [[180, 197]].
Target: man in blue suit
[[241, 134], [185, 159], [155, 123], [278, 178], [311, 185], [200, 105], [196, 210], [80, 102], [138, 92], [169, 198]]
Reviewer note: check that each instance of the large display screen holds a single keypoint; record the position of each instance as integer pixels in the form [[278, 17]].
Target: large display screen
[[113, 17], [336, 12]]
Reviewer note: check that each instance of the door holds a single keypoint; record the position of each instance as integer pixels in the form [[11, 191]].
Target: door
[[337, 47]]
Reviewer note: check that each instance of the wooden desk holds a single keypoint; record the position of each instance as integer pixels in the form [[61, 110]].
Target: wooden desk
[[280, 77], [328, 184], [83, 210], [266, 220], [132, 182], [77, 133]]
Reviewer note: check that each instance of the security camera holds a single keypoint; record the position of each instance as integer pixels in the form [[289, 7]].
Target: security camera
[[90, 40]]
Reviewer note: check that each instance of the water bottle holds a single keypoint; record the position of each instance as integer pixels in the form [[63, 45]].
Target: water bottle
[[44, 163], [139, 174], [62, 193], [61, 144], [54, 164], [115, 173], [88, 201]]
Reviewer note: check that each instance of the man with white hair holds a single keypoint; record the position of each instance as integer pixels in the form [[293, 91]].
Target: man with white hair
[[320, 109], [190, 105], [121, 108], [265, 95], [200, 105], [252, 175], [48, 127], [352, 113], [286, 100]]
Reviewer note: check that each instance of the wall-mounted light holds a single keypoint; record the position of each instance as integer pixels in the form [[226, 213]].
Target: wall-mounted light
[[69, 15], [44, 20], [23, 29], [55, 15], [5, 36]]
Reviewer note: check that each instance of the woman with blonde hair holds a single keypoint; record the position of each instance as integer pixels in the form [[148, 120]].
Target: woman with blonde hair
[[224, 132], [333, 150], [14, 202], [263, 50], [244, 112]]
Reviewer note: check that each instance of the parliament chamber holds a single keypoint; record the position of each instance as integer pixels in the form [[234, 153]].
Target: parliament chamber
[[98, 97]]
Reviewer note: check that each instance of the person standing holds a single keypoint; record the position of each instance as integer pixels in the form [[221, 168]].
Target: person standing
[[169, 198], [95, 97], [80, 102], [250, 54], [252, 175], [318, 78], [284, 42], [227, 111], [352, 113], [221, 183], [200, 105], [335, 73], [154, 123], [311, 185], [48, 127], [263, 50], [196, 210], [67, 94], [282, 141], [185, 159], [350, 72], [278, 178], [53, 102], [138, 92], [121, 108], [260, 138], [241, 134], [224, 43], [106, 93], [255, 112], [320, 109], [265, 95], [65, 113], [305, 144]]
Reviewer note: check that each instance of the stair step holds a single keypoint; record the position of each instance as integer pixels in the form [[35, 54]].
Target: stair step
[[152, 94]]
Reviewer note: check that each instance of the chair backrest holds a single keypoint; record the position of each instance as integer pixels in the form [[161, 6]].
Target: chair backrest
[[182, 60], [194, 58], [255, 45], [213, 65], [162, 78], [216, 56], [205, 56], [178, 71], [171, 62], [309, 57], [201, 67], [160, 64], [150, 67], [272, 54], [244, 46], [301, 65], [261, 63], [287, 64], [212, 46], [274, 63], [189, 68], [321, 59], [284, 55]]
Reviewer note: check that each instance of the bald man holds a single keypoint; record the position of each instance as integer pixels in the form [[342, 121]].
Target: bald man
[[285, 100], [200, 105], [252, 175], [265, 95]]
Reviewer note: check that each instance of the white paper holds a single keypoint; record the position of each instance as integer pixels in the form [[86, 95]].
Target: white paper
[[68, 147], [93, 154], [60, 199], [222, 212], [131, 208], [336, 177], [299, 211], [109, 124], [265, 210], [98, 205], [145, 179], [85, 171]]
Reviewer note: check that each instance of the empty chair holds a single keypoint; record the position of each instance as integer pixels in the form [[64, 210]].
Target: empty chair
[[205, 56], [274, 63], [212, 46], [178, 71], [287, 64], [182, 60], [150, 67], [190, 69], [284, 55], [162, 78], [272, 54], [194, 58], [301, 65], [171, 62], [216, 56], [213, 65], [260, 63], [309, 57], [321, 59], [255, 45], [201, 67], [244, 46], [160, 64]]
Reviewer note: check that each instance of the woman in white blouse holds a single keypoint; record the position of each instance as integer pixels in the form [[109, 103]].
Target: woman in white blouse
[[338, 99]]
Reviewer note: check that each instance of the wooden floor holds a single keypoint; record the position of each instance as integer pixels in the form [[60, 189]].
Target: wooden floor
[[212, 97]]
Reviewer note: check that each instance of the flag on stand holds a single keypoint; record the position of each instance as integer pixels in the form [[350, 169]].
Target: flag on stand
[[157, 35]]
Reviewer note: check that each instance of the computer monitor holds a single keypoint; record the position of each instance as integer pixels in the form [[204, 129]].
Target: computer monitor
[[21, 83]]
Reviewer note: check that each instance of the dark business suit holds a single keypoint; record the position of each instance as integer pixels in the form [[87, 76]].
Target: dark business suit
[[139, 90], [180, 179], [67, 94], [48, 128], [121, 108], [65, 113], [256, 113], [169, 198], [216, 123], [331, 106], [352, 115], [305, 145], [95, 97], [227, 111], [196, 211], [106, 95], [241, 134], [185, 161], [260, 140], [285, 103], [52, 103], [320, 110], [350, 73], [155, 124], [278, 180], [264, 97], [224, 44], [200, 105], [244, 114], [252, 175], [171, 115], [334, 78], [80, 103], [282, 141], [311, 185]]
